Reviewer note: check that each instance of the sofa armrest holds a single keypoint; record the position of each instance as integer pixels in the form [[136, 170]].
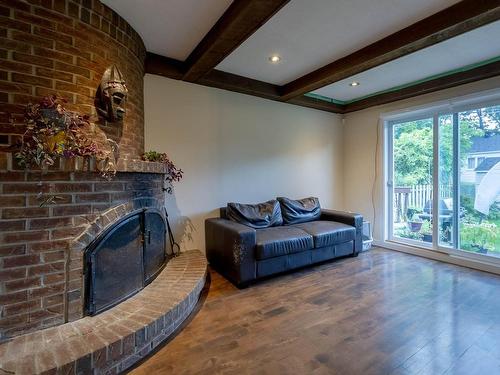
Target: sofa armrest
[[349, 218], [230, 249]]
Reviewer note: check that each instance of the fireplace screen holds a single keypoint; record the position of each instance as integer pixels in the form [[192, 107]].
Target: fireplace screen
[[124, 259]]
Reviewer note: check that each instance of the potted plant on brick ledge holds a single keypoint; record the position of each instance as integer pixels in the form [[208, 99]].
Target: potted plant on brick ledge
[[56, 135], [173, 174]]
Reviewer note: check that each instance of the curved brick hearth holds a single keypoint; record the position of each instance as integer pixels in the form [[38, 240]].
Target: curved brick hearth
[[117, 338]]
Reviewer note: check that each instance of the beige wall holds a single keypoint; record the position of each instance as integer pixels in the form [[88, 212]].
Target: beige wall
[[235, 147], [360, 132]]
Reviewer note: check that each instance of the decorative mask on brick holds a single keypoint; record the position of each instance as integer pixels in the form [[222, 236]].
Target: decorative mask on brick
[[112, 95]]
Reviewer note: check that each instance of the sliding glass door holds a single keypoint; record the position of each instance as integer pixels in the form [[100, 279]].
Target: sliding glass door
[[450, 161], [412, 180]]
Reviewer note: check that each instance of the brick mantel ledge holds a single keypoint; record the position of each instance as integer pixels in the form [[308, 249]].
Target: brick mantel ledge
[[140, 166], [114, 340], [123, 165]]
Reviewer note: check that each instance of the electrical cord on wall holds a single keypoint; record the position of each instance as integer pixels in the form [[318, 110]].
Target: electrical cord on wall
[[375, 177]]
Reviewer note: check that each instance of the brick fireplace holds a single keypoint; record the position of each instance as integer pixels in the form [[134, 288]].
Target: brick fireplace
[[49, 218], [42, 264], [61, 47]]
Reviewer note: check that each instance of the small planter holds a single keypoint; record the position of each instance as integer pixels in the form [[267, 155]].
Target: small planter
[[482, 250], [79, 163], [90, 163], [66, 164], [427, 238], [414, 226]]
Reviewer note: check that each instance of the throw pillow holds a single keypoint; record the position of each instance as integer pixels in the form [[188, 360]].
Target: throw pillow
[[299, 211], [261, 215]]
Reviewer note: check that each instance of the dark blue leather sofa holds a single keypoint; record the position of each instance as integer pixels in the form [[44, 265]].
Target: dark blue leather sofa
[[244, 254]]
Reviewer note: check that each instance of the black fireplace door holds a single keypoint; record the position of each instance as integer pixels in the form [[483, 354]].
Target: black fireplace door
[[154, 245], [126, 258], [116, 267]]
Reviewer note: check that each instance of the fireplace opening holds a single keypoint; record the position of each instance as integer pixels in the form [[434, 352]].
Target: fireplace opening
[[124, 259]]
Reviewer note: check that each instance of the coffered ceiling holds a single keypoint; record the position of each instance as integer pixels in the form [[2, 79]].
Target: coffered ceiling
[[466, 50], [403, 47], [310, 34]]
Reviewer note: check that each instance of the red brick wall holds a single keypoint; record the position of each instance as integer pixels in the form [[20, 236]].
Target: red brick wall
[[59, 47], [40, 274], [63, 46]]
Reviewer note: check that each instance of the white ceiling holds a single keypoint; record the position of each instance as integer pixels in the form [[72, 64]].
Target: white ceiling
[[170, 28], [473, 47], [309, 34]]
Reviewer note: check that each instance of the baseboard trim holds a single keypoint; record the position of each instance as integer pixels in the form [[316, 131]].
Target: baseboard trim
[[436, 255]]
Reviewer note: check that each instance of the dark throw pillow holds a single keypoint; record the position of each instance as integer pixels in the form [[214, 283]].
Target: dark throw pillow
[[299, 211], [261, 215]]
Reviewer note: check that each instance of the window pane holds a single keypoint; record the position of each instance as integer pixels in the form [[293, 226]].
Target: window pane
[[412, 175], [470, 163], [480, 187]]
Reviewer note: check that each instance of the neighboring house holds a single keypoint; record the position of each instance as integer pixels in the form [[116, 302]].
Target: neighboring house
[[484, 167], [487, 184], [482, 148]]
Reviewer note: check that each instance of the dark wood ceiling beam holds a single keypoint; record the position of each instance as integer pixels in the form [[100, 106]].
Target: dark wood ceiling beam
[[171, 68], [239, 21], [457, 19], [306, 101], [476, 74], [244, 85], [164, 66]]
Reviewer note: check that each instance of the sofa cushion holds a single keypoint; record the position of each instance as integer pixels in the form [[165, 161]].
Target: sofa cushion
[[271, 266], [299, 211], [261, 215], [278, 241], [327, 233]]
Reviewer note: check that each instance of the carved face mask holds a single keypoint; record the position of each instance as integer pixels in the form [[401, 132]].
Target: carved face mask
[[112, 95]]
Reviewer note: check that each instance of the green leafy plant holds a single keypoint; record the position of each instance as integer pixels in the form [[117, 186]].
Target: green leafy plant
[[407, 233], [426, 227], [412, 211], [479, 237], [173, 173], [416, 219], [53, 132]]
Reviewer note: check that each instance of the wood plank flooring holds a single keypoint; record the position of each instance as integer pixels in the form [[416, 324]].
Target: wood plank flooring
[[381, 313]]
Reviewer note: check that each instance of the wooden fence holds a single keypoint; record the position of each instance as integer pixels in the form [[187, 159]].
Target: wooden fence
[[415, 196]]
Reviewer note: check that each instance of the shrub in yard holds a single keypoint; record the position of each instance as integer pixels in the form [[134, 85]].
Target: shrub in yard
[[412, 211], [479, 237], [407, 233]]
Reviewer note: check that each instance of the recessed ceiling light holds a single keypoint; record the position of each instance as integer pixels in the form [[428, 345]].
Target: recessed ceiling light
[[274, 59], [354, 84]]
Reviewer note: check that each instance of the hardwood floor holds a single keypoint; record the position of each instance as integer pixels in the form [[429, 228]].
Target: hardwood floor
[[381, 313]]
